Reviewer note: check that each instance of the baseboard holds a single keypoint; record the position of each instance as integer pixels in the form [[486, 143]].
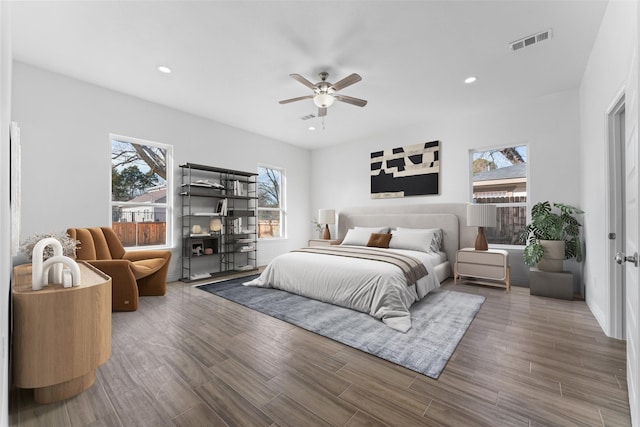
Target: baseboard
[[600, 316]]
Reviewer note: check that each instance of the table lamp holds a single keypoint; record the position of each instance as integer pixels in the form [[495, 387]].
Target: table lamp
[[481, 216], [326, 216]]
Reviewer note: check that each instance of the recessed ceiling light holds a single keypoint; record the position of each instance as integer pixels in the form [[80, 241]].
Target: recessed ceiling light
[[164, 69], [469, 80], [312, 128]]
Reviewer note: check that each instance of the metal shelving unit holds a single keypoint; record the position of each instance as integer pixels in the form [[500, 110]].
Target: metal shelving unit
[[219, 222]]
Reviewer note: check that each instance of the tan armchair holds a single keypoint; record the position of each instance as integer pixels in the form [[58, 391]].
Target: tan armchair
[[133, 273]]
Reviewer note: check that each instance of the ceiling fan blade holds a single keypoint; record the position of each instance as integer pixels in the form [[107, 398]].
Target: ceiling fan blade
[[347, 81], [302, 80], [322, 112], [300, 98], [351, 100]]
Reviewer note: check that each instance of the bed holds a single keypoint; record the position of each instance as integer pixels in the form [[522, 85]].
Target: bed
[[379, 288]]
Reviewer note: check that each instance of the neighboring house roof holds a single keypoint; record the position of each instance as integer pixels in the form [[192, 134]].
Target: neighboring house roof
[[509, 172], [153, 195]]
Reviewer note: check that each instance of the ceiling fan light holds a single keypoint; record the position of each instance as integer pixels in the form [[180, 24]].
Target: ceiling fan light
[[323, 100]]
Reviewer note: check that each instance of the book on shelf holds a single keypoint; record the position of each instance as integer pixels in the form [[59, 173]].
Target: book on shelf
[[238, 188], [222, 207], [205, 214], [237, 226]]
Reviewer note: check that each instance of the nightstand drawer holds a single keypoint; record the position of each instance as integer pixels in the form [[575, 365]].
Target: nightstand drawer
[[477, 257], [482, 271]]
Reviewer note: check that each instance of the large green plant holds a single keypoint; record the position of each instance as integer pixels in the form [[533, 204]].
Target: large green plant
[[549, 225]]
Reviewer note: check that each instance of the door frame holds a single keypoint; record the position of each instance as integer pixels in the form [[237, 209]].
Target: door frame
[[615, 214]]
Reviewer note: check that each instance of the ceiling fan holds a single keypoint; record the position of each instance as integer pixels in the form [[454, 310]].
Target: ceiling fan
[[325, 92]]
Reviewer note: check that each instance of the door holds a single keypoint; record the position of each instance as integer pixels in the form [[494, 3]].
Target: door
[[616, 217], [629, 259]]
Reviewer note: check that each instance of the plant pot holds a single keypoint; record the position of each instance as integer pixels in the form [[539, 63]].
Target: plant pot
[[553, 257]]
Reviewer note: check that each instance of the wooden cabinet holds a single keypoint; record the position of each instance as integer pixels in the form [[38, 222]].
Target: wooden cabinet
[[323, 242], [60, 335], [490, 267], [219, 222]]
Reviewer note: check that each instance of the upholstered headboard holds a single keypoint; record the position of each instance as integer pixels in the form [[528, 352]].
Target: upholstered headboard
[[451, 217]]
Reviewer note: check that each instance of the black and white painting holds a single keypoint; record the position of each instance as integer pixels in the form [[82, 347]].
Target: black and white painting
[[411, 170]]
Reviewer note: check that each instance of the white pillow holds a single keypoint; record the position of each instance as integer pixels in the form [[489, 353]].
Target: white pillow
[[413, 240], [359, 236], [374, 229], [436, 244]]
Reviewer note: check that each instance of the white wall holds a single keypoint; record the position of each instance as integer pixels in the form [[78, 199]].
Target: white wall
[[65, 126], [549, 125], [5, 212], [604, 79]]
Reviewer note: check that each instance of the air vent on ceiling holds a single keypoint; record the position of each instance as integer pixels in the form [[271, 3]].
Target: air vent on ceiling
[[307, 117], [531, 40]]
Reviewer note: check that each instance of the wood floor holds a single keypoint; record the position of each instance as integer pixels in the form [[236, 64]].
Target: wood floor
[[194, 359]]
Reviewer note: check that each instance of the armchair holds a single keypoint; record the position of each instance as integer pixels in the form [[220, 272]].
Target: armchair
[[133, 273]]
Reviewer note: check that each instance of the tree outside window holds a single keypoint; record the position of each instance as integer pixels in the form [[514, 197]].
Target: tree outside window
[[499, 177], [140, 204], [271, 211]]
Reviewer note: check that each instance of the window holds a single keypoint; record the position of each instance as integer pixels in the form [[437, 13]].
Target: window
[[140, 175], [499, 177], [271, 209]]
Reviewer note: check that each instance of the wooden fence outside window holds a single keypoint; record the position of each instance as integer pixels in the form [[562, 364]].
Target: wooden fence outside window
[[141, 233]]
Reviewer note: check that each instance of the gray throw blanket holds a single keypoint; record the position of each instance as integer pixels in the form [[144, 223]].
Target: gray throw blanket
[[412, 268]]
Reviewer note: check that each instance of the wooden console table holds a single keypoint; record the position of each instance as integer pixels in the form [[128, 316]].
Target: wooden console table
[[60, 335]]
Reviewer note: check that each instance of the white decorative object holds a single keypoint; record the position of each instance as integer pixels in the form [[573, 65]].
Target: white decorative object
[[215, 224], [40, 268]]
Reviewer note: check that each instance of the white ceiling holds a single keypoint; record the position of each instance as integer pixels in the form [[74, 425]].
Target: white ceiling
[[231, 60]]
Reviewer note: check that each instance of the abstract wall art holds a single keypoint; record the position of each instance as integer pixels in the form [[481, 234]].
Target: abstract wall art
[[411, 170]]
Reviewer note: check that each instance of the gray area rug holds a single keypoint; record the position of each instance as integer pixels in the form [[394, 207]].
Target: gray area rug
[[439, 322]]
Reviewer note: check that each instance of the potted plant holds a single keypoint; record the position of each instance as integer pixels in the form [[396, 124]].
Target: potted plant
[[318, 227], [551, 236]]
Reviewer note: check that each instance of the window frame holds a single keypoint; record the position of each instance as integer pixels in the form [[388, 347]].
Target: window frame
[[283, 205], [168, 205], [525, 204]]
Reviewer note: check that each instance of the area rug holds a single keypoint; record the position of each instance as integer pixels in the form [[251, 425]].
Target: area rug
[[439, 321]]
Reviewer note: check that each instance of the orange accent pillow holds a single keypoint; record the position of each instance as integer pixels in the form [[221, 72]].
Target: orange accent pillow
[[379, 240]]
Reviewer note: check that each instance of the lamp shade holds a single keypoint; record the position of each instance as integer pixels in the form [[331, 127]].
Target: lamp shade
[[326, 216], [481, 215]]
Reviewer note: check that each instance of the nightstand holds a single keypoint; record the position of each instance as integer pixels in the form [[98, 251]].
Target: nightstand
[[323, 242], [490, 267]]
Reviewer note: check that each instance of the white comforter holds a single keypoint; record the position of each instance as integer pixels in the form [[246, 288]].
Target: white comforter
[[372, 287]]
